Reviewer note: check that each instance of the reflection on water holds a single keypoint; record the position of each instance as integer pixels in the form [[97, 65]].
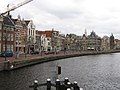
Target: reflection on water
[[99, 72]]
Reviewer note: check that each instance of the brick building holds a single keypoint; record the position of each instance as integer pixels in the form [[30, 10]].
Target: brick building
[[20, 35], [7, 34]]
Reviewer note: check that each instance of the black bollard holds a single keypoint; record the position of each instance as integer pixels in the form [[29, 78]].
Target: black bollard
[[58, 85], [75, 86], [6, 65], [68, 89], [62, 87], [35, 85], [48, 84], [69, 85], [66, 81]]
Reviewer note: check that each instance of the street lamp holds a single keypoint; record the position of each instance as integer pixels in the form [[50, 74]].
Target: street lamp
[[25, 42], [25, 47]]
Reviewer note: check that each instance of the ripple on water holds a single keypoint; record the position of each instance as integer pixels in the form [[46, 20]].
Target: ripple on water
[[98, 72]]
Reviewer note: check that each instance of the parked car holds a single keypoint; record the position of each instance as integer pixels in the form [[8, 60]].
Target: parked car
[[34, 52], [0, 54], [49, 52], [7, 53]]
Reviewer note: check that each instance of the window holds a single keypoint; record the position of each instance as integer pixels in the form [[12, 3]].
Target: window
[[0, 47], [8, 37], [48, 43], [33, 32], [42, 42], [12, 47], [29, 31], [0, 36], [31, 25], [4, 28], [8, 47], [4, 47], [16, 38], [0, 25], [12, 29], [11, 37], [4, 36]]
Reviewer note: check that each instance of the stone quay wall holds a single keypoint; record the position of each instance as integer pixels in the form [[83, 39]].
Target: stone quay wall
[[7, 65]]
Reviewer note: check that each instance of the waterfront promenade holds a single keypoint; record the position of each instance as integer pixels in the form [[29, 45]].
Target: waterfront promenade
[[26, 60], [22, 57]]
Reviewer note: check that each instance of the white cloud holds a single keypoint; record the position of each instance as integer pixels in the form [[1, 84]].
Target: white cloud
[[71, 16]]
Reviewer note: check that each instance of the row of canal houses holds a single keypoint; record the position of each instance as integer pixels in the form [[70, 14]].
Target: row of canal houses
[[20, 35]]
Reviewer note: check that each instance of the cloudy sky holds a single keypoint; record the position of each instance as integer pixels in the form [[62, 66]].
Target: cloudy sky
[[71, 16]]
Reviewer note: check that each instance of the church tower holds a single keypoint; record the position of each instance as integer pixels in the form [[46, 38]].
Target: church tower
[[85, 32], [112, 43]]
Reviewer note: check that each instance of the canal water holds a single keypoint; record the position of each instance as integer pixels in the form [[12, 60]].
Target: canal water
[[93, 72]]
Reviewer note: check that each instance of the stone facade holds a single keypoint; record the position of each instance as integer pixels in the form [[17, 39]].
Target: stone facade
[[31, 36], [20, 35], [50, 40], [94, 42], [105, 43], [55, 41], [62, 42], [73, 42], [84, 42], [117, 44]]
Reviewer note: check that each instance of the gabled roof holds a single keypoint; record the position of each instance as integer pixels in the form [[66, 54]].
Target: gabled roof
[[84, 36], [7, 20], [48, 33], [14, 20], [93, 34], [27, 22], [40, 32]]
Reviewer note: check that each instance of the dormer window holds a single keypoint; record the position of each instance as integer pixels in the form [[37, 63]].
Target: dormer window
[[31, 25]]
